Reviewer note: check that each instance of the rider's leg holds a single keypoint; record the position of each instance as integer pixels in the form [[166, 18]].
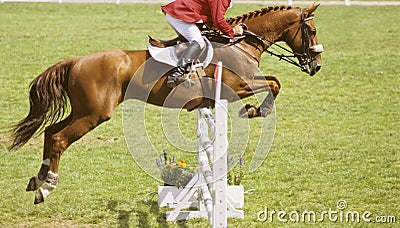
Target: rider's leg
[[192, 33], [188, 30], [190, 54]]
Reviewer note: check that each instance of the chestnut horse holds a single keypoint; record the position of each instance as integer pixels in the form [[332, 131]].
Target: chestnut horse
[[96, 84]]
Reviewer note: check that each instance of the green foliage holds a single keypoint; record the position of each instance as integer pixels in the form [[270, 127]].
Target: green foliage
[[337, 133], [236, 173], [176, 175], [235, 176]]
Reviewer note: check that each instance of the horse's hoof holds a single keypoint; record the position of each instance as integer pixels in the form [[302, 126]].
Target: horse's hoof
[[248, 111], [32, 185], [39, 198]]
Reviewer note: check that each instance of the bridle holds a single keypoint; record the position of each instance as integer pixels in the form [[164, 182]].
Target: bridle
[[304, 57]]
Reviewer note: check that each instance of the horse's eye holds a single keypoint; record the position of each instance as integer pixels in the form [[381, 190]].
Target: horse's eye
[[313, 32]]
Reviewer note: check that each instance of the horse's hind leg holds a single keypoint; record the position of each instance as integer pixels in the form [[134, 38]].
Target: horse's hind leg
[[37, 181], [59, 142]]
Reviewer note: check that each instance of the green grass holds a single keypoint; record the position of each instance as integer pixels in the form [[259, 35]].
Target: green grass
[[337, 133]]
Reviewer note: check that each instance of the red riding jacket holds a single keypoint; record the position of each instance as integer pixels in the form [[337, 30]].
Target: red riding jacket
[[209, 11]]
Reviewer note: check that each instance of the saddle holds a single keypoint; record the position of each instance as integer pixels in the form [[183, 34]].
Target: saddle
[[180, 44], [153, 41], [211, 35], [169, 51]]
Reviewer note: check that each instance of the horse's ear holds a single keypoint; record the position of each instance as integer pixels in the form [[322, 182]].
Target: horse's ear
[[312, 8]]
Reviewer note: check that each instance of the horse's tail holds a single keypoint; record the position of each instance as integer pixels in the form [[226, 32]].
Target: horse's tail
[[48, 102]]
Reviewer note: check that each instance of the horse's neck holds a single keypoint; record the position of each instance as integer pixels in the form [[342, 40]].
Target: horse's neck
[[272, 25], [252, 51]]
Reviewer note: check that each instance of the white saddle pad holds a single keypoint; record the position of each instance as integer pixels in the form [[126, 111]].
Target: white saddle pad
[[168, 55]]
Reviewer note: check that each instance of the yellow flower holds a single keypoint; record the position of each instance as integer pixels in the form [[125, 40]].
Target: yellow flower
[[182, 163], [170, 166]]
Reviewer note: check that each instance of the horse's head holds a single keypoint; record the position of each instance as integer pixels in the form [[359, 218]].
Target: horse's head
[[294, 26], [301, 37]]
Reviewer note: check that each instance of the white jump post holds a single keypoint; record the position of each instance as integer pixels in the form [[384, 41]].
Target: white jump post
[[220, 164], [208, 190]]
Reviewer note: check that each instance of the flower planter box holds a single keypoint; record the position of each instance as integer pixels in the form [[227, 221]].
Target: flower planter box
[[167, 195]]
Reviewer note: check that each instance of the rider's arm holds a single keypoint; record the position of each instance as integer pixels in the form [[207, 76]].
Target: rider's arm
[[218, 9]]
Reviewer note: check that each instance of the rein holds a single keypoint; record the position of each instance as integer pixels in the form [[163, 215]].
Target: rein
[[304, 56], [280, 56]]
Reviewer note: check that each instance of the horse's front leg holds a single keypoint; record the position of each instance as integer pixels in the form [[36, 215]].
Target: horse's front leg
[[262, 84]]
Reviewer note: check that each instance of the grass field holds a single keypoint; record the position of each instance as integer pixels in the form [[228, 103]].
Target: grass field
[[337, 135]]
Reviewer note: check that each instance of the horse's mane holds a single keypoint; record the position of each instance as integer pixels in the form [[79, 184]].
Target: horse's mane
[[256, 13]]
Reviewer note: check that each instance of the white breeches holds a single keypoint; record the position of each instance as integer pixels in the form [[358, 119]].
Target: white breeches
[[190, 31]]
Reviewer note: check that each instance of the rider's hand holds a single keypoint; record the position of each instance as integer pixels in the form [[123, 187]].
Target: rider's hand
[[238, 30]]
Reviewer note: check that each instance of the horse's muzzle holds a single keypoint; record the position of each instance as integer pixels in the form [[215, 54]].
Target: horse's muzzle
[[316, 63], [314, 66]]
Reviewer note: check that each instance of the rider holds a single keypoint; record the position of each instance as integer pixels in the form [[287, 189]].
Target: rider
[[182, 16]]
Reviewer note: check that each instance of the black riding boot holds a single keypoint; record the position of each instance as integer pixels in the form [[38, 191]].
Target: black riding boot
[[191, 53]]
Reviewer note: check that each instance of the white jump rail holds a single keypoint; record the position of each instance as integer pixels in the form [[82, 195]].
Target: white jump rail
[[208, 190]]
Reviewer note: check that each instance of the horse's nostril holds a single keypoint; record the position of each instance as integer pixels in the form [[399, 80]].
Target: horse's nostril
[[318, 67]]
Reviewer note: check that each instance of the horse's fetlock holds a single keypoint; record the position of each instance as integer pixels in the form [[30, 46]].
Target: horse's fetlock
[[49, 185], [43, 192], [42, 174], [51, 180], [44, 169]]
